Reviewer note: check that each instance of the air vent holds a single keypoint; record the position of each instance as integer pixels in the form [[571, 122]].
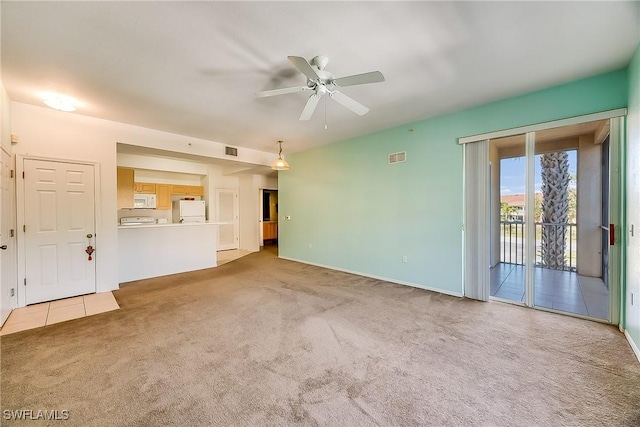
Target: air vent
[[230, 151], [400, 157]]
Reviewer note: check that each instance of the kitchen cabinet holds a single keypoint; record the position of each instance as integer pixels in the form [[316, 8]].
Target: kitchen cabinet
[[187, 190], [163, 196], [125, 188], [145, 187], [269, 230]]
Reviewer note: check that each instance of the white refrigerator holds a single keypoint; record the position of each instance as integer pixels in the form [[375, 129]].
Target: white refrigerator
[[188, 211]]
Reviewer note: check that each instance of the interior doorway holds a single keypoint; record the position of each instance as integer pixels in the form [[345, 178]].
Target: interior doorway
[[268, 217]]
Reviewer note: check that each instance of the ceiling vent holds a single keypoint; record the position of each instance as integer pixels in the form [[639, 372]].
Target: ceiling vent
[[400, 157], [230, 151]]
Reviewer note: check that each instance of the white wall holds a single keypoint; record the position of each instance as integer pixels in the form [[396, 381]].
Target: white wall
[[52, 134], [150, 165], [48, 133], [249, 201]]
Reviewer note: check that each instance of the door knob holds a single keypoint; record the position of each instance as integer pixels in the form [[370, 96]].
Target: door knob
[[89, 236], [3, 247]]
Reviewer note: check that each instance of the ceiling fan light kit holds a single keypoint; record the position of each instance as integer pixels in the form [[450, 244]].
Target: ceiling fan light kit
[[322, 82], [280, 164]]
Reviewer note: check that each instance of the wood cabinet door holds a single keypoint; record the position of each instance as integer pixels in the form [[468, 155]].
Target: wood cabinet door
[[195, 190], [163, 196], [178, 189], [188, 190], [125, 188], [270, 230], [145, 187]]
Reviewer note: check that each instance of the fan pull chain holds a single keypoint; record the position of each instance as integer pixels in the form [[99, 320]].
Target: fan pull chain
[[325, 114]]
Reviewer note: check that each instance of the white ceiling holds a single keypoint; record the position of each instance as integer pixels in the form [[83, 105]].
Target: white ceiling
[[192, 68]]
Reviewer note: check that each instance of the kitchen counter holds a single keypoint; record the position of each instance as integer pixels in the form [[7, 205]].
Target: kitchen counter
[[153, 250], [170, 224]]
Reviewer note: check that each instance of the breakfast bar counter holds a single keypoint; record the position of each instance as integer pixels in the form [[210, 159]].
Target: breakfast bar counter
[[153, 250]]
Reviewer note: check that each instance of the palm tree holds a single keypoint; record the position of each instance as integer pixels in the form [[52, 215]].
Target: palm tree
[[555, 207]]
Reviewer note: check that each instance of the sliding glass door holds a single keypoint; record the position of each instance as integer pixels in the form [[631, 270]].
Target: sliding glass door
[[508, 243], [549, 207]]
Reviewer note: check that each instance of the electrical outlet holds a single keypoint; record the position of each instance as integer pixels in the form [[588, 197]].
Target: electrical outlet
[[310, 245], [404, 258], [12, 292]]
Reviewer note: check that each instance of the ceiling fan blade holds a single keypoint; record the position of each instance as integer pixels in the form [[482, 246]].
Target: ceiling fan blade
[[359, 79], [283, 91], [350, 103], [304, 67], [310, 107]]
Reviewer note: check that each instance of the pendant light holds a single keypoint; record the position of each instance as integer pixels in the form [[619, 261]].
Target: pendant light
[[280, 164]]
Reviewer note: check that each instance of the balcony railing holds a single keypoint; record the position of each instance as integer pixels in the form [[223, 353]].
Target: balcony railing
[[513, 247]]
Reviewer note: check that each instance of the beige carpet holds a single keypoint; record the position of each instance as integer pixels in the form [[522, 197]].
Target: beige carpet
[[264, 341]]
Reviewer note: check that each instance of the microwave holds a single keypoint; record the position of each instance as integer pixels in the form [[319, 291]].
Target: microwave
[[144, 201]]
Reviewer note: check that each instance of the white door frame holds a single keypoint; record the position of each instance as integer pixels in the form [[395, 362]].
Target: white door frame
[[8, 265], [20, 217], [261, 214]]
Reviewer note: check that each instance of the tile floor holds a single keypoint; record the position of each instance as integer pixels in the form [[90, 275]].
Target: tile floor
[[230, 255], [558, 290], [48, 313]]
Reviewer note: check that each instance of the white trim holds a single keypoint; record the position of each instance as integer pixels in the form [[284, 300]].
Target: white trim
[[372, 276], [529, 220], [633, 345], [620, 112], [616, 252]]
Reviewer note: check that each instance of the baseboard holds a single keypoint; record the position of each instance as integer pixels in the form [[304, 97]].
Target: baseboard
[[371, 276], [633, 345]]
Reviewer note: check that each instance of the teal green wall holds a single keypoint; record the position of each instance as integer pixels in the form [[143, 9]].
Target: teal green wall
[[350, 210], [632, 314]]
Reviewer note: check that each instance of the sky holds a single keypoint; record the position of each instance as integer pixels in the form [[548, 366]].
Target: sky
[[512, 173]]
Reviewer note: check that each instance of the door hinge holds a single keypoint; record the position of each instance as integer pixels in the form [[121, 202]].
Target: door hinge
[[11, 233], [11, 173], [24, 228], [22, 174], [25, 281]]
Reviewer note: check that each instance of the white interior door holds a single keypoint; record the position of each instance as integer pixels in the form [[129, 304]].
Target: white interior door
[[59, 218], [7, 239], [227, 217]]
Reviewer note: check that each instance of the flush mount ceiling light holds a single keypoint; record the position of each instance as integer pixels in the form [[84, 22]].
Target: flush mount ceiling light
[[61, 103], [280, 164]]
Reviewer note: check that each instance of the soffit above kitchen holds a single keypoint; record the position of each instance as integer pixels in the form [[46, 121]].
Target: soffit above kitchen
[[192, 68]]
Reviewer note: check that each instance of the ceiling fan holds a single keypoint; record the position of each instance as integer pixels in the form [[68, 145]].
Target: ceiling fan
[[322, 82]]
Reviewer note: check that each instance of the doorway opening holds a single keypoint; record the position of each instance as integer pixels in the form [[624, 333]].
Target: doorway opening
[[269, 218], [549, 216]]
